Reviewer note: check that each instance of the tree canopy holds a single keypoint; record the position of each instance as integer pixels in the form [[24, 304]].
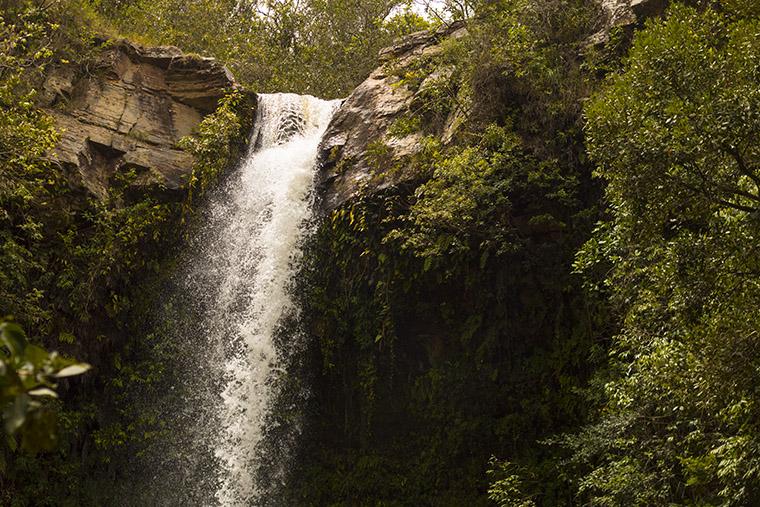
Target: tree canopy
[[675, 136], [319, 47]]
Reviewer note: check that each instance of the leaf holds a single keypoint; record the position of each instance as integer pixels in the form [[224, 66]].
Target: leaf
[[74, 369], [66, 337], [35, 355], [11, 441], [13, 337], [15, 413], [43, 391]]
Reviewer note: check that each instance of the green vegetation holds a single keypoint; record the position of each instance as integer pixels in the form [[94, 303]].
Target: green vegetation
[[557, 307], [675, 136], [323, 48], [449, 324], [27, 375], [217, 142], [443, 292], [76, 268]]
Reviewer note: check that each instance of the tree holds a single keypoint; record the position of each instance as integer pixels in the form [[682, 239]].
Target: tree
[[675, 136], [304, 46]]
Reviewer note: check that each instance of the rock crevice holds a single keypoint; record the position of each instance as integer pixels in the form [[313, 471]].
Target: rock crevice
[[128, 110]]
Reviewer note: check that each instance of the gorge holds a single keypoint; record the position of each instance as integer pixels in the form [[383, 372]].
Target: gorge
[[505, 260]]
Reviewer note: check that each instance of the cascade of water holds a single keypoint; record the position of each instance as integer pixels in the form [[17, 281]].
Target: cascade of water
[[241, 271]]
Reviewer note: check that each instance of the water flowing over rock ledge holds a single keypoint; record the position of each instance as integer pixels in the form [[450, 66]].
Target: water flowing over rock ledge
[[128, 109]]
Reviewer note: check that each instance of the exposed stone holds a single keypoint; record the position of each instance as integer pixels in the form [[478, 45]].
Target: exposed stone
[[360, 128], [625, 14], [361, 125], [127, 111]]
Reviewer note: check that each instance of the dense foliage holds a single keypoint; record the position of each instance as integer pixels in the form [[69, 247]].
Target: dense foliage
[[75, 266], [449, 324], [676, 137], [670, 277], [323, 48], [557, 307]]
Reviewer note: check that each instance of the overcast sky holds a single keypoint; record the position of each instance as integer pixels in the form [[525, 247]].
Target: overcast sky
[[419, 6]]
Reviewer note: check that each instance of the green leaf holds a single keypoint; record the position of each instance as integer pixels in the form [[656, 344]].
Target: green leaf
[[74, 369], [66, 337], [15, 413], [36, 355], [11, 440], [13, 337]]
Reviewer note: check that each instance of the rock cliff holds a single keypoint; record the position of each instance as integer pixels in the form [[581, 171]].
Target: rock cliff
[[365, 128], [362, 129], [127, 110]]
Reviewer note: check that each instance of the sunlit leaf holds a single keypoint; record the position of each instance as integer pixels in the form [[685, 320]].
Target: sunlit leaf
[[74, 369], [43, 391]]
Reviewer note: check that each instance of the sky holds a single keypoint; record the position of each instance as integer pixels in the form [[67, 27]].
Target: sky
[[420, 6]]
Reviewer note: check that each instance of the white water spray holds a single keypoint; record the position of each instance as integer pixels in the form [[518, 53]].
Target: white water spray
[[241, 277]]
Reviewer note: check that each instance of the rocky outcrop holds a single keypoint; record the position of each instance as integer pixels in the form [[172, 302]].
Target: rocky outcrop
[[625, 14], [361, 132], [126, 112], [364, 151]]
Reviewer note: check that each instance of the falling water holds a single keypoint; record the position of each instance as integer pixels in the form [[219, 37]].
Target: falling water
[[242, 266]]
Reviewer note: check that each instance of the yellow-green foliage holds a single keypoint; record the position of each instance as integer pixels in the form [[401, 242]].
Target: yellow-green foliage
[[29, 185], [405, 125], [323, 48], [218, 141], [452, 213]]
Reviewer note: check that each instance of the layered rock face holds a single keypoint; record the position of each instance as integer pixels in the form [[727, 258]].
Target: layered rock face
[[128, 110], [362, 129]]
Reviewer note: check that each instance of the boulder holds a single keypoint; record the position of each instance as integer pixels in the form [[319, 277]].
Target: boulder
[[358, 134], [127, 110]]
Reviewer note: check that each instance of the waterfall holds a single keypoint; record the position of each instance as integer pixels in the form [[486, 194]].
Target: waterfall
[[242, 264]]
